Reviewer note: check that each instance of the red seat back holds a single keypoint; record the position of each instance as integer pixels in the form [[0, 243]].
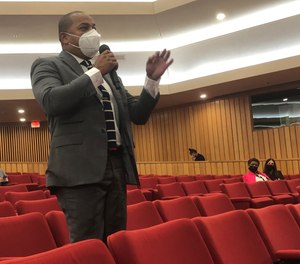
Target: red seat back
[[182, 207], [58, 226], [24, 235], [170, 189], [174, 242], [233, 238], [194, 187], [13, 197], [135, 196], [213, 204], [91, 251], [11, 188], [277, 227], [7, 209], [43, 206], [142, 215]]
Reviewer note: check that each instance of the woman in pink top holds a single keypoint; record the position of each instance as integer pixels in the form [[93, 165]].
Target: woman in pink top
[[253, 175]]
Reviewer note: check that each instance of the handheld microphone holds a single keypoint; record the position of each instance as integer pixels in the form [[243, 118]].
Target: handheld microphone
[[113, 74]]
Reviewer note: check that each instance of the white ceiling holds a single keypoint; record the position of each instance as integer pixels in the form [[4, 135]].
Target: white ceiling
[[250, 58]]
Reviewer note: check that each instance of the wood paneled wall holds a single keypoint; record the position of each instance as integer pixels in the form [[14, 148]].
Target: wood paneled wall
[[221, 130], [21, 143]]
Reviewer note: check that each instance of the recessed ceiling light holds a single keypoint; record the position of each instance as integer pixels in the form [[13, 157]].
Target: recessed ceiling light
[[203, 96], [285, 99], [220, 16], [21, 111], [22, 119]]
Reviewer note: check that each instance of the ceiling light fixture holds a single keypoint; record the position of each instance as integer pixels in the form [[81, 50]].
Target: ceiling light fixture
[[21, 111], [203, 96], [285, 99], [22, 119], [220, 16]]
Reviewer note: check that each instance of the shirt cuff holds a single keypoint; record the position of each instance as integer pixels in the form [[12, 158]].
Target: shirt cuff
[[95, 76], [152, 86]]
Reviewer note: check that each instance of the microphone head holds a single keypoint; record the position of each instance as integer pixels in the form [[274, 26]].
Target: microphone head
[[103, 48]]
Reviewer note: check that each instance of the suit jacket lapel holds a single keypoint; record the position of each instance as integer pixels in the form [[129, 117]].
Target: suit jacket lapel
[[71, 62]]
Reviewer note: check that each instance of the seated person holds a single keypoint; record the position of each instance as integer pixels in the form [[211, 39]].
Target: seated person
[[3, 177], [196, 156], [270, 169], [253, 174]]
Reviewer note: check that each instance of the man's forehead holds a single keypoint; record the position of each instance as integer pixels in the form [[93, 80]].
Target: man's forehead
[[81, 18]]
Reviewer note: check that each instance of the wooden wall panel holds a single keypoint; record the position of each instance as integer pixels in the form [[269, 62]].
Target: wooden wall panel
[[222, 131]]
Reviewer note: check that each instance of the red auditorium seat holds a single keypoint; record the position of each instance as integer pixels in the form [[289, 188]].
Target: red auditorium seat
[[293, 184], [233, 238], [241, 198], [213, 186], [24, 235], [295, 210], [142, 215], [213, 204], [170, 190], [279, 230], [174, 242], [11, 188], [260, 189], [185, 178], [58, 226], [91, 251], [166, 179], [13, 197], [204, 177], [233, 180], [43, 206], [20, 178], [135, 196], [150, 184], [7, 209], [23, 179], [280, 187], [182, 207], [196, 187]]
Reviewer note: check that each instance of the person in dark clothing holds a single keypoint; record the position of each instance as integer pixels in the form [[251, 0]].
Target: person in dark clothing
[[270, 169], [196, 156]]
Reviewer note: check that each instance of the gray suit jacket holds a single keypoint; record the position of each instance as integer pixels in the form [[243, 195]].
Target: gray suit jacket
[[78, 150]]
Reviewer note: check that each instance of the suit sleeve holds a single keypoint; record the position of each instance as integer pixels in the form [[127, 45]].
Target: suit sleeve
[[56, 95], [141, 107]]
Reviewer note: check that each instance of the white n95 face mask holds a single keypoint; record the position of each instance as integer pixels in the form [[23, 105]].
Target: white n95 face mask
[[89, 43]]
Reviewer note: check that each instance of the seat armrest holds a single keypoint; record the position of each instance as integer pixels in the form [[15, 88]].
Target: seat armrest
[[288, 254]]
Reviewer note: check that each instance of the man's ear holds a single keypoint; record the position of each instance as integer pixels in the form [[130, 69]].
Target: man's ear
[[64, 38]]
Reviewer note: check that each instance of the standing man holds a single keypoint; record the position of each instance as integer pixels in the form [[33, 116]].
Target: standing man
[[91, 154]]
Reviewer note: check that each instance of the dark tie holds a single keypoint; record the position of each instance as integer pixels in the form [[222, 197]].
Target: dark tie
[[108, 113], [109, 119], [87, 64]]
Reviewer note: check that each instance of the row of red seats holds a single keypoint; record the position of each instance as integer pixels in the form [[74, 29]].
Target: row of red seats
[[146, 214], [150, 186], [228, 238], [265, 235], [239, 236], [209, 176], [243, 195], [13, 193]]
